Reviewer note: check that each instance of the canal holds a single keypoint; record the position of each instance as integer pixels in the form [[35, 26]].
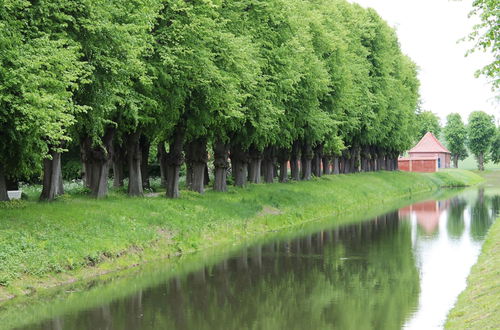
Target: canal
[[402, 269]]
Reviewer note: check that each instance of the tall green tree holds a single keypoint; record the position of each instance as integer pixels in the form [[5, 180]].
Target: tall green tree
[[455, 134], [40, 70], [115, 36], [480, 134], [428, 121]]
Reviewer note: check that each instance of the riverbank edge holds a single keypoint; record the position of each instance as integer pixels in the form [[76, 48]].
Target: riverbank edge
[[228, 236], [478, 306]]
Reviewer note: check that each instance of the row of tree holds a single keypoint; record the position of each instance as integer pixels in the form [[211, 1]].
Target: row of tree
[[262, 82], [480, 136]]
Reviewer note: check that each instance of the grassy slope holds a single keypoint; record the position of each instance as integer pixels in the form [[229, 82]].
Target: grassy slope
[[478, 307], [45, 244]]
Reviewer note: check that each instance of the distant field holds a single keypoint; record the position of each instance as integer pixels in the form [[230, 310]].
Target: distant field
[[470, 164]]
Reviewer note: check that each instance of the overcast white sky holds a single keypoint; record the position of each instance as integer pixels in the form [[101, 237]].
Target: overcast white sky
[[428, 32]]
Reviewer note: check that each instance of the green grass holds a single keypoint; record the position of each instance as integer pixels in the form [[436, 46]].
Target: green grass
[[478, 307], [46, 244]]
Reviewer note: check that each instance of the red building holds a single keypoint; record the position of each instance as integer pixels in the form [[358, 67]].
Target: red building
[[429, 155]]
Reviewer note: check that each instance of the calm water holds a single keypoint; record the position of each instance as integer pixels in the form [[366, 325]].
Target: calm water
[[403, 269]]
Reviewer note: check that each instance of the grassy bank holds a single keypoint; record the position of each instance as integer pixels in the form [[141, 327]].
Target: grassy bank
[[45, 244], [478, 307]]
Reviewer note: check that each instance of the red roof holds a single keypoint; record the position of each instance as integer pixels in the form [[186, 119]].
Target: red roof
[[429, 143]]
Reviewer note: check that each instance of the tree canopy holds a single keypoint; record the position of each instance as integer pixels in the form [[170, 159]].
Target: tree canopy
[[481, 131], [428, 121], [257, 81], [485, 35], [455, 134]]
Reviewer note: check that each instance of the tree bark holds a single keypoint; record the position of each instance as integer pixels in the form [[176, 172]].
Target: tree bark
[[174, 161], [381, 162], [255, 163], [306, 160], [84, 146], [196, 161], [355, 160], [373, 162], [207, 175], [268, 164], [480, 162], [327, 170], [221, 155], [119, 160], [316, 161], [145, 146], [239, 162], [4, 196], [347, 162], [388, 163], [455, 161], [365, 159], [336, 170], [294, 161], [283, 159], [52, 177], [134, 158], [162, 160], [98, 159]]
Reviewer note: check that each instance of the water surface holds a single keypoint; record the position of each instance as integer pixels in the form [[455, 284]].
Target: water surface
[[403, 269]]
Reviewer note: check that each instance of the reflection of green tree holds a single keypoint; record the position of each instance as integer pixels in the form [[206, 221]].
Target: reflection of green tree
[[356, 277], [455, 223], [495, 205], [481, 219]]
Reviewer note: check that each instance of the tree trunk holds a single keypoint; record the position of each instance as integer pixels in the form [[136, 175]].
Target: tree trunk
[[98, 159], [162, 160], [341, 164], [145, 146], [221, 155], [196, 161], [364, 162], [283, 159], [4, 196], [347, 163], [207, 175], [119, 160], [283, 177], [255, 163], [52, 177], [327, 170], [455, 161], [174, 161], [381, 163], [395, 166], [388, 166], [84, 145], [306, 160], [336, 169], [373, 162], [268, 164], [480, 162], [356, 160], [316, 161], [294, 161], [239, 161], [134, 158]]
